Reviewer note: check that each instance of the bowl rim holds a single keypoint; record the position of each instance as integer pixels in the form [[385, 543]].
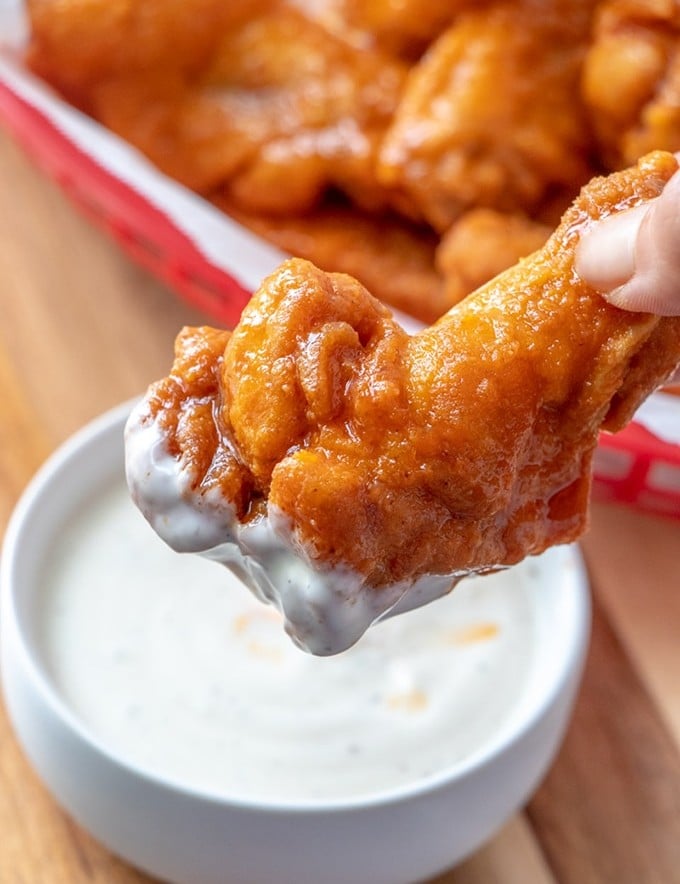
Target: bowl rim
[[511, 733]]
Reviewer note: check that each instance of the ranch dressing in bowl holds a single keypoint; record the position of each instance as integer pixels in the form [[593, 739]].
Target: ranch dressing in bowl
[[172, 664], [167, 712]]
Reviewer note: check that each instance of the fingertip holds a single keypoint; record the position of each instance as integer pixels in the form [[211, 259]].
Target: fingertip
[[605, 254], [641, 296], [624, 297], [655, 287], [633, 258]]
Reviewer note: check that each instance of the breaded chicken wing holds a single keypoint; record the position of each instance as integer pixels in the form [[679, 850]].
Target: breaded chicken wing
[[267, 105], [78, 43], [631, 78], [401, 27], [490, 116], [483, 243], [342, 467], [392, 258]]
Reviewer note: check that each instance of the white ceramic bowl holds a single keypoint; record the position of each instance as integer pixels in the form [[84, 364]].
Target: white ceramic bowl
[[188, 836]]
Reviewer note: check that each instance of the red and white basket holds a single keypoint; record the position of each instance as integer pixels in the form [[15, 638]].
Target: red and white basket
[[214, 263], [143, 230]]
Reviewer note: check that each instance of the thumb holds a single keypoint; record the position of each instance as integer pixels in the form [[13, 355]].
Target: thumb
[[633, 257]]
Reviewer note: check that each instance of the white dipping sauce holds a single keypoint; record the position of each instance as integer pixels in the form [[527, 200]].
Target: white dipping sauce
[[174, 665], [325, 609]]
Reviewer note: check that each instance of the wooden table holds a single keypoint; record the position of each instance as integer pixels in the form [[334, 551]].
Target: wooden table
[[82, 329]]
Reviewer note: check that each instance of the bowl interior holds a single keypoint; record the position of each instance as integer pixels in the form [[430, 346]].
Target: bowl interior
[[93, 459]]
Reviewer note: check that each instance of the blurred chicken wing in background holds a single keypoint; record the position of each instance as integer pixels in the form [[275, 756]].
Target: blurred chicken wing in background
[[481, 244], [393, 258], [631, 78], [490, 116], [421, 146]]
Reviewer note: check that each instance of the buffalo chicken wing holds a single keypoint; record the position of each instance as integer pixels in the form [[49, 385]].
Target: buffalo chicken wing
[[319, 435]]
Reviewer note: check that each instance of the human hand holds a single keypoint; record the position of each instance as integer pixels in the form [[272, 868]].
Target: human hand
[[633, 257]]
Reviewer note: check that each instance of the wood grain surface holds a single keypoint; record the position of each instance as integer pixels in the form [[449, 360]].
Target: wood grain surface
[[82, 329]]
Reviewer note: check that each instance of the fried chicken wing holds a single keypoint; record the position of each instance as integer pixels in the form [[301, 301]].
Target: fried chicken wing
[[483, 243], [77, 43], [401, 27], [631, 78], [343, 467], [277, 111], [490, 116], [323, 107], [395, 260]]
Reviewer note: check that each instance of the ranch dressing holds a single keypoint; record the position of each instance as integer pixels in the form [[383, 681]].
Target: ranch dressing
[[171, 663], [325, 610]]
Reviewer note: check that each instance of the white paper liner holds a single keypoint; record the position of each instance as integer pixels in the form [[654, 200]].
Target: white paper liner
[[13, 24], [660, 414], [224, 243]]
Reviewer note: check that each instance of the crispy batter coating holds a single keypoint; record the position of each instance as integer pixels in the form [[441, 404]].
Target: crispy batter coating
[[490, 115], [466, 446], [631, 78], [393, 259]]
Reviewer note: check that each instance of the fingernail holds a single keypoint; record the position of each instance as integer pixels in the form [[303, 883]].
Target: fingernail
[[605, 256], [617, 296]]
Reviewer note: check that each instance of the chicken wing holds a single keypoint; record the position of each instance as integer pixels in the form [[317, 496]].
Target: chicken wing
[[343, 467], [395, 260], [490, 116], [78, 43], [401, 27], [631, 79], [267, 105], [483, 243]]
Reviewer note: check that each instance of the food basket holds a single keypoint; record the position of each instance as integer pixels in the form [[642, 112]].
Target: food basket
[[139, 224], [145, 233], [214, 263]]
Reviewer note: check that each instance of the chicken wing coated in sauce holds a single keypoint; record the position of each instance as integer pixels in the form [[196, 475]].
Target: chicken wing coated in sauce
[[78, 43], [311, 108], [266, 105], [394, 260], [400, 27], [631, 78], [461, 448], [481, 244], [490, 116]]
